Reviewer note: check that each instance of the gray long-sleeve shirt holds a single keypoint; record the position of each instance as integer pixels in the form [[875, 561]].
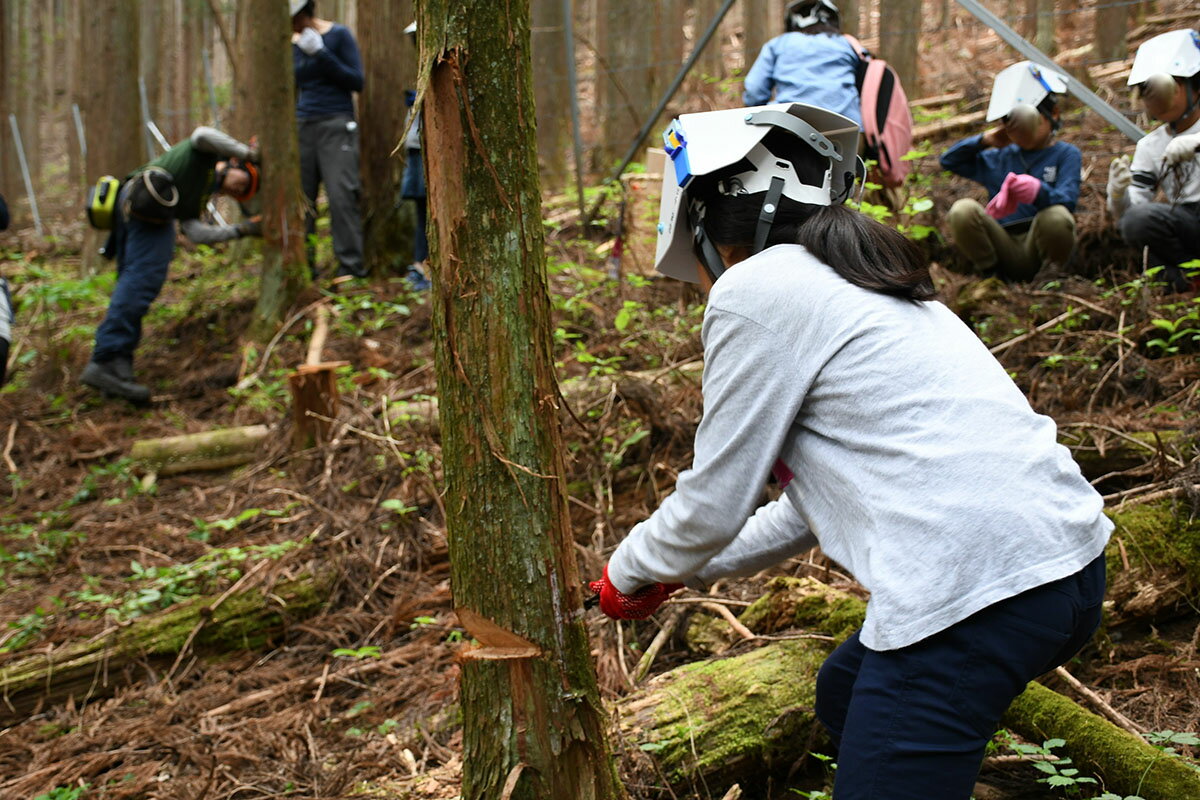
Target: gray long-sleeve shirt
[[919, 465]]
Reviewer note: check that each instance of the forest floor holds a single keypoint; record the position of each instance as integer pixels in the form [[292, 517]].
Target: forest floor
[[363, 688]]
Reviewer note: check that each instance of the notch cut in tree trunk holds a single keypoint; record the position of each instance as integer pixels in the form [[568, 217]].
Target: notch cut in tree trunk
[[97, 666], [195, 452]]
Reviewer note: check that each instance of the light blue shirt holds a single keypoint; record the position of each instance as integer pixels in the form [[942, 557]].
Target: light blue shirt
[[816, 69]]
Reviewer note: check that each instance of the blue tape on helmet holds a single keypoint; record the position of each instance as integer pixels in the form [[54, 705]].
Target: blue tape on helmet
[[675, 143]]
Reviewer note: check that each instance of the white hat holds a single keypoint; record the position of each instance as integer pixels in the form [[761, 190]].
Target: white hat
[[701, 144], [1023, 83], [412, 28], [294, 6], [1173, 53]]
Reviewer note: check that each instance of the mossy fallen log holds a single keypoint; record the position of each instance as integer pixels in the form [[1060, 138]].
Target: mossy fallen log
[[94, 668], [740, 719], [1153, 561], [1127, 764], [210, 450], [1101, 451]]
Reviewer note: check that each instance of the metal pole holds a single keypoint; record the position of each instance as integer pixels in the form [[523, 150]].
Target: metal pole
[[146, 119], [569, 32], [212, 92], [79, 133], [673, 88], [1085, 95], [37, 218]]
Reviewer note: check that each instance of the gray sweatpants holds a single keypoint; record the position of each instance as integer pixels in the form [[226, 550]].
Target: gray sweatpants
[[329, 155]]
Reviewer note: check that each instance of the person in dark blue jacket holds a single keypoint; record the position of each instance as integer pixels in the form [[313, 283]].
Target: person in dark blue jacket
[[1027, 228], [328, 72], [811, 63]]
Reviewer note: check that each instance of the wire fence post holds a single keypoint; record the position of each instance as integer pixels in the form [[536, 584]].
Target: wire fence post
[[572, 81], [33, 206], [146, 118], [79, 133]]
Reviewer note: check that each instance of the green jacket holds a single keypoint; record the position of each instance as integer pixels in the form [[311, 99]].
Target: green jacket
[[192, 163]]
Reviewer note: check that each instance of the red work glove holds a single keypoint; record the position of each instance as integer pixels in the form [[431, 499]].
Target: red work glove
[[639, 605], [1015, 190]]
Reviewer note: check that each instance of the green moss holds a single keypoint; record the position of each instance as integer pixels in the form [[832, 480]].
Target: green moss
[[1160, 536], [708, 635], [805, 603]]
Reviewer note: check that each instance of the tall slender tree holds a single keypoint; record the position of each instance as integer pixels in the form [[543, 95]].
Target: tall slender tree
[[625, 81], [551, 90], [390, 67], [900, 39], [266, 98], [533, 725], [109, 96]]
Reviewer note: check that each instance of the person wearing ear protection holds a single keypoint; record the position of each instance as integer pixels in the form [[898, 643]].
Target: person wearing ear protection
[[1166, 75], [812, 62], [1032, 181], [901, 445], [175, 186]]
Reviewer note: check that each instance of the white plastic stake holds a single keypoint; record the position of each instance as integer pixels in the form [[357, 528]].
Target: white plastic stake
[[79, 134], [16, 131]]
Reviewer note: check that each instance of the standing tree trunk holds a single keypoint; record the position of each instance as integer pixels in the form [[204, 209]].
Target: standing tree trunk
[[533, 723], [1045, 38], [109, 98], [711, 66], [1112, 22], [757, 29], [551, 90], [390, 64], [8, 160], [849, 13], [623, 85], [899, 40], [266, 98]]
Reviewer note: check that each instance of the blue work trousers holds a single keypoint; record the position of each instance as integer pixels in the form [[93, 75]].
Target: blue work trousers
[[912, 723], [143, 258]]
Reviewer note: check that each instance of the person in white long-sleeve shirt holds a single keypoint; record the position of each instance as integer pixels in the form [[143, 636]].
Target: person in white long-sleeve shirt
[[905, 451], [1166, 74]]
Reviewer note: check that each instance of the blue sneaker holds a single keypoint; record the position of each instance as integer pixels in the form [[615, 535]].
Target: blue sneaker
[[417, 278]]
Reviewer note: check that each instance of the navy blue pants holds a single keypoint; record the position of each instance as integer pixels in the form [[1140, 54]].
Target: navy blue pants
[[143, 258], [412, 187], [911, 724]]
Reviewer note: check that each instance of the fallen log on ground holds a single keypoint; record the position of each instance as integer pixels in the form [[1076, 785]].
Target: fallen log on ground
[[209, 450], [94, 668], [731, 720], [1153, 561], [1100, 450]]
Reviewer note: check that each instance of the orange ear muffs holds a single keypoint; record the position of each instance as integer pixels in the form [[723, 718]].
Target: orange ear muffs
[[251, 169]]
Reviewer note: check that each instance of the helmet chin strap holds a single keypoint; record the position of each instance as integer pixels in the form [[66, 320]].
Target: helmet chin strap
[[705, 250], [766, 215]]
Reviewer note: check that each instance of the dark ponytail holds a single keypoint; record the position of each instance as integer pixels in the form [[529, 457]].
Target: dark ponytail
[[864, 252]]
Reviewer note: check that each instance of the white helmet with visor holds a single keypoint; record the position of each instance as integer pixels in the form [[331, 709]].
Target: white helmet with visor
[[1159, 61], [703, 144], [1018, 92], [803, 14]]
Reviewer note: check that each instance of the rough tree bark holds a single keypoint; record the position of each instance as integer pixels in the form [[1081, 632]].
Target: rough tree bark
[[390, 64], [551, 91], [899, 40], [266, 98], [533, 723], [109, 98]]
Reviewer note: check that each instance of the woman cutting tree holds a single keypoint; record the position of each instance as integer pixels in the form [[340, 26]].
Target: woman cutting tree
[[904, 450]]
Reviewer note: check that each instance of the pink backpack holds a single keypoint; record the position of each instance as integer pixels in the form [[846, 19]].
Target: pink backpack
[[887, 122]]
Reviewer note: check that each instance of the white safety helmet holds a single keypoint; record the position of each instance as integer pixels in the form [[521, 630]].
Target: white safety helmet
[[706, 143], [1023, 84], [802, 14], [411, 30], [1175, 53], [294, 6]]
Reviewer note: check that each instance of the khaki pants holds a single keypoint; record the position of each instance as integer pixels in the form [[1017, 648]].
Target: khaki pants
[[1015, 257]]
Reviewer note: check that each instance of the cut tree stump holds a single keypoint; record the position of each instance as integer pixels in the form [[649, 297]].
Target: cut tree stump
[[314, 389], [210, 450], [96, 667]]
